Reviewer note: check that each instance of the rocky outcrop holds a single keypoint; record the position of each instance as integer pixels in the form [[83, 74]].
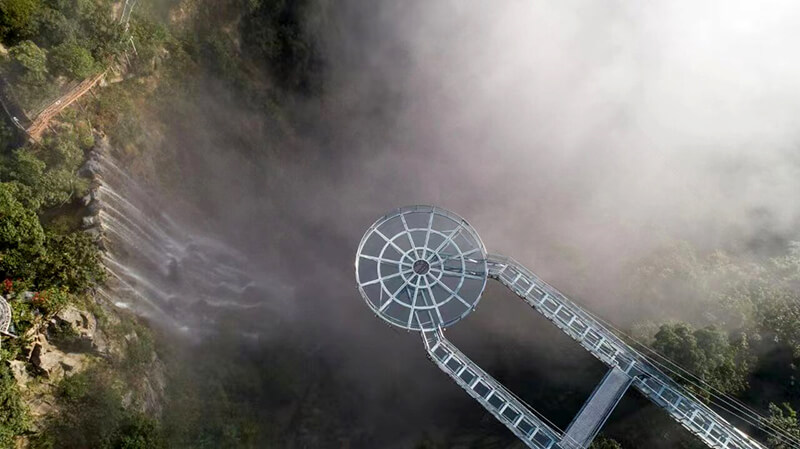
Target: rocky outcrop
[[53, 364], [59, 348], [91, 223], [68, 344], [77, 330], [64, 346]]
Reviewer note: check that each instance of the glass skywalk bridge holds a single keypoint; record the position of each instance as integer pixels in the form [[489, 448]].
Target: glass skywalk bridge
[[424, 268]]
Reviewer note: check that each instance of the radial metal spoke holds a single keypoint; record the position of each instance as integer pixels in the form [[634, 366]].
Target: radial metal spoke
[[449, 239], [381, 259], [402, 286], [426, 296], [455, 256], [389, 241], [386, 304], [434, 303], [393, 297], [414, 301], [385, 278], [456, 295], [460, 274], [430, 228], [408, 234]]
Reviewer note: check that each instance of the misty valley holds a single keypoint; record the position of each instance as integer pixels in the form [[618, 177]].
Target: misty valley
[[422, 224]]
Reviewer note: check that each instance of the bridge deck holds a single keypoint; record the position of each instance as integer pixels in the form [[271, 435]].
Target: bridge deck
[[596, 338], [491, 394], [595, 411]]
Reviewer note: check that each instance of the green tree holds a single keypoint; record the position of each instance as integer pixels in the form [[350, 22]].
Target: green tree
[[13, 415], [28, 74], [138, 432], [92, 414], [17, 19], [21, 235], [602, 442], [778, 299], [71, 261], [71, 60], [53, 27], [24, 171], [29, 62], [707, 353], [279, 34], [98, 29], [784, 418], [63, 150], [47, 173], [60, 186], [38, 186], [150, 37]]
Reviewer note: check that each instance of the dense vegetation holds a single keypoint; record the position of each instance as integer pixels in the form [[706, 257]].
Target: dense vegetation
[[731, 322], [13, 415], [46, 261], [51, 43], [51, 258], [92, 414], [708, 353]]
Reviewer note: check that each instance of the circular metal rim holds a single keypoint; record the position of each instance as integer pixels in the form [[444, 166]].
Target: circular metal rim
[[462, 224], [5, 315]]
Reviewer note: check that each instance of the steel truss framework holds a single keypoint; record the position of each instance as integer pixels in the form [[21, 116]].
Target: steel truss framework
[[424, 268]]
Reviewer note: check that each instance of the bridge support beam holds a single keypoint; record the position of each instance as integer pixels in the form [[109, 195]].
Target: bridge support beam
[[596, 409]]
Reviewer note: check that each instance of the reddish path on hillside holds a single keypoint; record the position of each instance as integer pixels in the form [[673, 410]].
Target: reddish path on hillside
[[39, 124]]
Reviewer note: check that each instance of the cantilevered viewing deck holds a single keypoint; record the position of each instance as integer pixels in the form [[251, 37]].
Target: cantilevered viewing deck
[[424, 268]]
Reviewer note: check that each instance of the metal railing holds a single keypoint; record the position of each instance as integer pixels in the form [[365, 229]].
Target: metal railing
[[491, 394], [601, 342]]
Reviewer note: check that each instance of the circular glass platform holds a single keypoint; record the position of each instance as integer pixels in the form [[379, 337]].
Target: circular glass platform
[[421, 267]]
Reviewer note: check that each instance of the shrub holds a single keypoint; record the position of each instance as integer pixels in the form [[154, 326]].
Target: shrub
[[29, 76], [52, 27], [707, 353], [51, 300], [28, 63], [70, 261], [784, 418], [92, 414], [21, 235], [13, 415], [604, 443]]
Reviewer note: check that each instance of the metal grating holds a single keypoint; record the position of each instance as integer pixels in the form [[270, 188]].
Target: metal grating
[[421, 268]]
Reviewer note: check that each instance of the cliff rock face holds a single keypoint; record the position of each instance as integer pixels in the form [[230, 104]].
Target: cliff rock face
[[77, 338], [66, 344], [73, 341], [149, 390], [59, 348]]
